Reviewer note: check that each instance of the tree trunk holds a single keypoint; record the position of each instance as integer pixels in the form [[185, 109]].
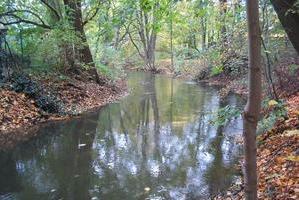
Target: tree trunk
[[223, 10], [150, 52], [288, 19], [252, 108], [148, 38], [204, 32], [74, 14], [171, 42], [211, 41]]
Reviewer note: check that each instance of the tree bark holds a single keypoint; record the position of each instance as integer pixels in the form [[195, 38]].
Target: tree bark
[[288, 19], [204, 32], [252, 108], [148, 37], [171, 42], [223, 11], [74, 13]]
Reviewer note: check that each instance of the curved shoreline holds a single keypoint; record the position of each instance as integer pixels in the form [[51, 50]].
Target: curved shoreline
[[13, 136]]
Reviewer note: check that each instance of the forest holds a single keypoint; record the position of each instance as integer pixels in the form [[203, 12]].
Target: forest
[[149, 99]]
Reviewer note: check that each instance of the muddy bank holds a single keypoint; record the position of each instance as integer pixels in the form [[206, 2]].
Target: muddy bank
[[21, 115]]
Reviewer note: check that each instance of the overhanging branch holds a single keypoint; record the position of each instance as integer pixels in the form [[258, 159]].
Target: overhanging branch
[[17, 19], [51, 8]]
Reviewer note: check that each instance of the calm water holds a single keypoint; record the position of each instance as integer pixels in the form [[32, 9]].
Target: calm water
[[157, 143]]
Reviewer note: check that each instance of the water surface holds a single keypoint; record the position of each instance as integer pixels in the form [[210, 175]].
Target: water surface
[[156, 143]]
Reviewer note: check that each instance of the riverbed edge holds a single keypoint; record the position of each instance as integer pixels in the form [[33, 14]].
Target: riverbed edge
[[12, 137]]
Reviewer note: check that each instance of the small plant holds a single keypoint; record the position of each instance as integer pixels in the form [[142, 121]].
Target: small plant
[[293, 69], [103, 69], [223, 115], [276, 110], [216, 70], [109, 61]]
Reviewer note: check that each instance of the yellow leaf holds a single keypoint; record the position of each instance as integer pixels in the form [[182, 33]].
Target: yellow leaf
[[272, 103], [293, 158]]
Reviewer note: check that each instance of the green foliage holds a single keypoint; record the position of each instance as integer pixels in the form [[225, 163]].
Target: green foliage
[[277, 111], [293, 69], [104, 69], [186, 21], [49, 53], [110, 61], [223, 115], [216, 70]]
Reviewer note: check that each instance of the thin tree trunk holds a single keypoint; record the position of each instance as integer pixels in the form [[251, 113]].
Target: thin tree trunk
[[148, 38], [171, 42], [252, 108], [223, 10], [203, 22]]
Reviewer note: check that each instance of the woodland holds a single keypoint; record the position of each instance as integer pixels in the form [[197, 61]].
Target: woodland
[[62, 58]]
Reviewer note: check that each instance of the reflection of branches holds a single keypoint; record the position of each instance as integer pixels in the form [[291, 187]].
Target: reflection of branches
[[122, 125], [153, 98], [171, 107], [128, 116]]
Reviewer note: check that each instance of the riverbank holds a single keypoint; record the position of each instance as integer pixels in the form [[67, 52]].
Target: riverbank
[[277, 152], [277, 159], [20, 114]]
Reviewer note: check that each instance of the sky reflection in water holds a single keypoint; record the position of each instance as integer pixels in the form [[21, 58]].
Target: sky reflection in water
[[156, 143]]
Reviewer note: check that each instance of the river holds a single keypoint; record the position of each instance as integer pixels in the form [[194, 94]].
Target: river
[[156, 143]]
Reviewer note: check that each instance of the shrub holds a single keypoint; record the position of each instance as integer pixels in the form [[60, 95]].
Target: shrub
[[216, 70], [223, 115], [275, 110]]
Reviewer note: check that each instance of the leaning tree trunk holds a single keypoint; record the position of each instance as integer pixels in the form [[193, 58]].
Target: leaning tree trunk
[[74, 13], [252, 108], [288, 14]]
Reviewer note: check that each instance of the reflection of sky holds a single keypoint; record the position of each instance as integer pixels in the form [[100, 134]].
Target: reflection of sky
[[185, 156], [175, 150]]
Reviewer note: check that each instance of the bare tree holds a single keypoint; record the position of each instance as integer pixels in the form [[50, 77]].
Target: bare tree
[[252, 108]]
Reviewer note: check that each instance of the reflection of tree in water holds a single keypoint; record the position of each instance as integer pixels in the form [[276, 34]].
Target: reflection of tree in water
[[159, 138], [218, 175], [149, 98], [172, 153], [57, 163], [8, 169]]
